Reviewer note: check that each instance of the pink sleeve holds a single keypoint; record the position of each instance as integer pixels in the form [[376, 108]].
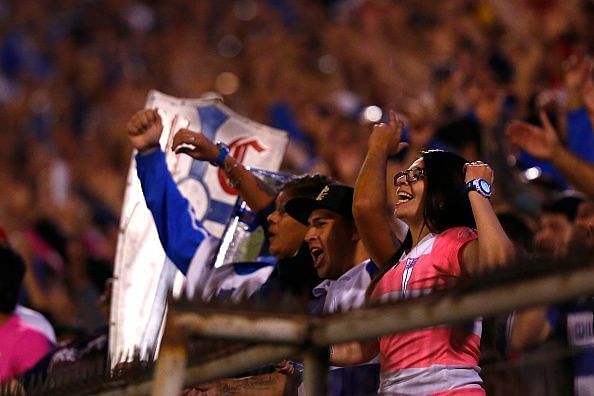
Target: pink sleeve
[[455, 239], [33, 346]]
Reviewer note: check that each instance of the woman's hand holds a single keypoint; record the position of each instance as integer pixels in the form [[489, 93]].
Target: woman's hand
[[386, 137], [478, 170]]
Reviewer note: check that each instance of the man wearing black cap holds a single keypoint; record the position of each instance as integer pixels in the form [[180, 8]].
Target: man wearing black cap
[[339, 258]]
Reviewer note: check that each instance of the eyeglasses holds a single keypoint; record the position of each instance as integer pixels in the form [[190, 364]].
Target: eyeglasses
[[408, 176]]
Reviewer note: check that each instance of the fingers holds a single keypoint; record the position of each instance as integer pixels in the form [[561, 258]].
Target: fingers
[[478, 170], [544, 119], [186, 137], [517, 126], [393, 118], [133, 127], [395, 123], [184, 150], [379, 126], [150, 118], [519, 132], [142, 120], [475, 164]]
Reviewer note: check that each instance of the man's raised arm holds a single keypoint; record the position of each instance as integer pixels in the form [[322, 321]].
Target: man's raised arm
[[179, 231], [543, 143]]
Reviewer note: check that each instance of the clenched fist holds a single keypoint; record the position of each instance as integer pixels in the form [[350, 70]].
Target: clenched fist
[[144, 130]]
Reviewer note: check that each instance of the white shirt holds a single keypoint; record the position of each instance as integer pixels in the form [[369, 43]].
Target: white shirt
[[37, 321], [347, 292]]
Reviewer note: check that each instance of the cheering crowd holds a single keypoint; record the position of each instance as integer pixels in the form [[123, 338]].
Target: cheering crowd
[[488, 156]]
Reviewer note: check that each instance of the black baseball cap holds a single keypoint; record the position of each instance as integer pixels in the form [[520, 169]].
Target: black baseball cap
[[335, 197]]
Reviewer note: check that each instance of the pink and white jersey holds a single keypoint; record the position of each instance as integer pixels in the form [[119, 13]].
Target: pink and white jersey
[[441, 360], [21, 347]]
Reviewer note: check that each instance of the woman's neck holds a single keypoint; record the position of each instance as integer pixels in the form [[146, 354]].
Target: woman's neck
[[418, 232]]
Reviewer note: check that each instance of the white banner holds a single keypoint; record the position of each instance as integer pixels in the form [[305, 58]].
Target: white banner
[[142, 274]]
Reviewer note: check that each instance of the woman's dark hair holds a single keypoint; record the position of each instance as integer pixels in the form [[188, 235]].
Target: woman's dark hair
[[446, 203], [385, 267]]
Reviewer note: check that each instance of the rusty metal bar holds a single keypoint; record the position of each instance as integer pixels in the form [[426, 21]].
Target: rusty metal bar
[[234, 326], [239, 362], [222, 367]]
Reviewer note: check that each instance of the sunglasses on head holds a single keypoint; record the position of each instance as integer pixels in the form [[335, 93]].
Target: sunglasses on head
[[408, 176]]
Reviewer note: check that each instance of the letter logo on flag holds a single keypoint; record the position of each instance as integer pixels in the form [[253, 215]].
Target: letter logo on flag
[[238, 149]]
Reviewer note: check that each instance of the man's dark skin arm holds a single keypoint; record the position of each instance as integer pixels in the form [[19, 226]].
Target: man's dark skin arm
[[543, 143]]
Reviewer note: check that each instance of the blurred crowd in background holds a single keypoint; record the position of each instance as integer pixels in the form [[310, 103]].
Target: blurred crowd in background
[[73, 72]]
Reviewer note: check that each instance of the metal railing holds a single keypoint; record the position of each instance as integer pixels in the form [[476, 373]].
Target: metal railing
[[249, 338], [280, 336]]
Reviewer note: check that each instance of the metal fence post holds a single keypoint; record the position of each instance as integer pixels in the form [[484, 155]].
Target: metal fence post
[[315, 373], [171, 366]]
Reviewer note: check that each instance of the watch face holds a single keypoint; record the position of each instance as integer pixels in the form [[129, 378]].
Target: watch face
[[485, 186]]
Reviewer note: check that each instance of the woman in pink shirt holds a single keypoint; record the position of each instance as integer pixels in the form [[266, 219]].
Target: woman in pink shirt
[[21, 346], [452, 232]]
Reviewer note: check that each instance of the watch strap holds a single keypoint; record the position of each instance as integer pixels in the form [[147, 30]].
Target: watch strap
[[223, 153], [474, 185]]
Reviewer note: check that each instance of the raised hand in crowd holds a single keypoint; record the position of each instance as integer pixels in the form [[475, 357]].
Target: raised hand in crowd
[[257, 194], [478, 170], [540, 142], [194, 144], [144, 130], [370, 205], [386, 137], [543, 143], [494, 247]]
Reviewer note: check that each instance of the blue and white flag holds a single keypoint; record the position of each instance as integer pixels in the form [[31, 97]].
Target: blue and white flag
[[143, 274]]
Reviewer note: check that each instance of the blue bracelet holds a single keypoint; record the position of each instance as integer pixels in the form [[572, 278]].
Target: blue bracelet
[[223, 153]]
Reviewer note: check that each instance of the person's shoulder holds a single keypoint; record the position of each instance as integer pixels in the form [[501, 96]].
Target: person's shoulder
[[37, 321], [361, 273], [25, 332], [363, 266], [458, 233], [453, 239]]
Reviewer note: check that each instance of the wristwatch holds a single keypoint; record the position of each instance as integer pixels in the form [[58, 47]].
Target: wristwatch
[[481, 186], [223, 152]]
